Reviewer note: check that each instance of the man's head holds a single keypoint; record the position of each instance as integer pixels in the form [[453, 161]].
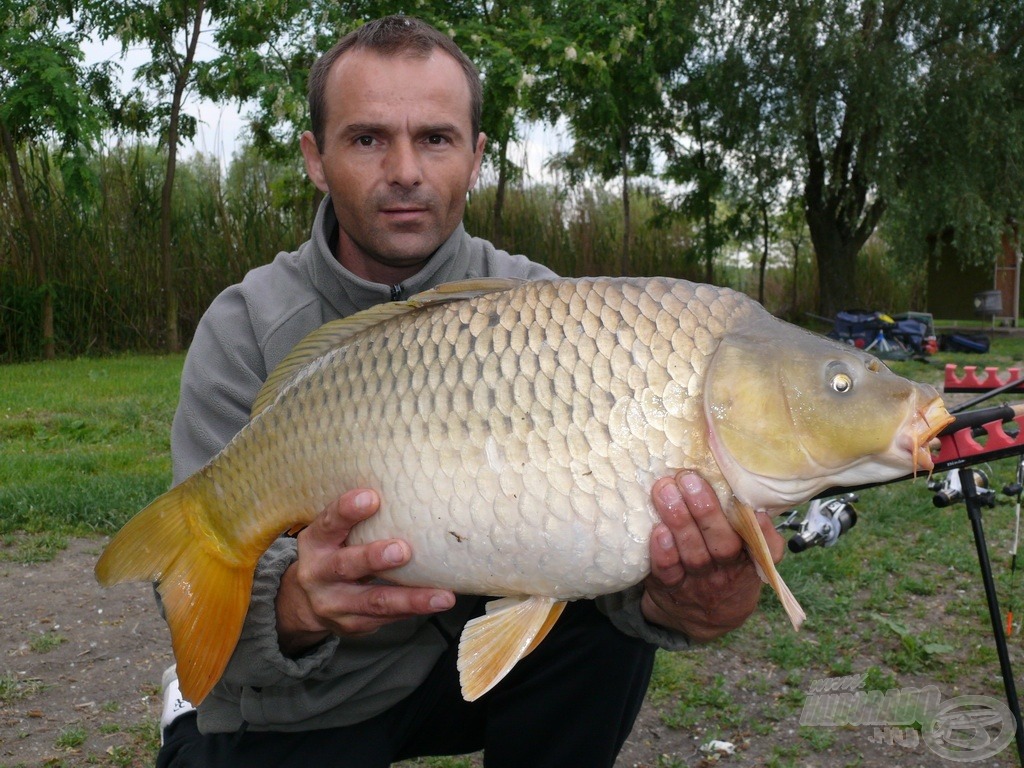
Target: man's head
[[395, 110], [387, 37]]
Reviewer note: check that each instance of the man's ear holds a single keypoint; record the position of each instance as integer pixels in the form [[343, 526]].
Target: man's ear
[[478, 158], [314, 165]]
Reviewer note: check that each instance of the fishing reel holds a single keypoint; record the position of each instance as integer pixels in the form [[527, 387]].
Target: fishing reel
[[826, 520], [949, 490]]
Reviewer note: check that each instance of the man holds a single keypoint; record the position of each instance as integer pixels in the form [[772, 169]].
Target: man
[[334, 666]]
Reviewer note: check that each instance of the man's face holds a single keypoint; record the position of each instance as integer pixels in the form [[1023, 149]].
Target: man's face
[[398, 159]]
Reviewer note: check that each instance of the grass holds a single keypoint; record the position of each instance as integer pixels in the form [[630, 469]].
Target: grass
[[84, 444], [46, 642], [14, 689]]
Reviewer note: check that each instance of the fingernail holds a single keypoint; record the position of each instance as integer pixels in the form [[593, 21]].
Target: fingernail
[[441, 601], [669, 494], [665, 540], [692, 484], [363, 500], [394, 554]]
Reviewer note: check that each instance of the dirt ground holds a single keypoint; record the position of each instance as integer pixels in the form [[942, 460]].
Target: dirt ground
[[81, 666], [85, 660]]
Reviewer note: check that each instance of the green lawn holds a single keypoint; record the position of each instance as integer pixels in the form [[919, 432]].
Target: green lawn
[[84, 444]]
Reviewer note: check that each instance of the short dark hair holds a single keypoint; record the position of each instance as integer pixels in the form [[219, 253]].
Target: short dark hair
[[390, 36]]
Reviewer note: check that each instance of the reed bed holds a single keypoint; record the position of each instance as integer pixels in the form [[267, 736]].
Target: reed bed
[[102, 259]]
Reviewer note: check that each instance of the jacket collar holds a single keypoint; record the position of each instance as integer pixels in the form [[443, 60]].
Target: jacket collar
[[346, 292]]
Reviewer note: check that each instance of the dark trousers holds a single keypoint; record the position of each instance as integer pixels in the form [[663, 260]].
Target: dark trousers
[[571, 702]]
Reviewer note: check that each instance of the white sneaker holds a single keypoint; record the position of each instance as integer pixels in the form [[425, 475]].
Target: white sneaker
[[174, 705]]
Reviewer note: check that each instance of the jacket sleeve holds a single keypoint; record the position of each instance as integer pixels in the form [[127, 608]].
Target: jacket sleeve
[[223, 372], [623, 611]]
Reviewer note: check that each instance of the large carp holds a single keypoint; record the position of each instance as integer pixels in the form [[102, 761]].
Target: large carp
[[514, 432]]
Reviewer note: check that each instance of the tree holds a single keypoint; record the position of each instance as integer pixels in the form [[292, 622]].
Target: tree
[[870, 98], [46, 94], [616, 60], [171, 30]]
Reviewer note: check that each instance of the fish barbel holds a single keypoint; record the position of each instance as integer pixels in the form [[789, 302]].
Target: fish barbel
[[514, 431]]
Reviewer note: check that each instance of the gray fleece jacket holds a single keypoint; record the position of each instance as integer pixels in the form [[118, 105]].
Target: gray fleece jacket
[[245, 333]]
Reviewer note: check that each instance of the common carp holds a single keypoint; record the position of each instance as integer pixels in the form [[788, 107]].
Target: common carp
[[514, 431]]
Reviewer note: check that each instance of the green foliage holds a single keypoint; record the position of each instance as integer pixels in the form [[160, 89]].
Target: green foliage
[[46, 642], [35, 548], [44, 88], [735, 132], [874, 108], [14, 689]]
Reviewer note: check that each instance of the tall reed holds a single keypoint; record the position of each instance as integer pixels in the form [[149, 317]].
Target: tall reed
[[102, 260]]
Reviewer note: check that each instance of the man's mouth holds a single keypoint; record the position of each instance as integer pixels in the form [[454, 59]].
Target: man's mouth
[[403, 211]]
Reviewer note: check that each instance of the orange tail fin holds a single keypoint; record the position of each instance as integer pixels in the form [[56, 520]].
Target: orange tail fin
[[205, 595]]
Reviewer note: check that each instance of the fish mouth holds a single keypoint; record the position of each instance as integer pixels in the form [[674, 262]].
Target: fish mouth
[[925, 425]]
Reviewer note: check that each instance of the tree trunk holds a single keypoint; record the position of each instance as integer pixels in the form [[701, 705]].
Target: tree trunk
[[626, 221], [764, 251], [173, 339], [841, 215], [34, 245], [498, 228], [837, 264]]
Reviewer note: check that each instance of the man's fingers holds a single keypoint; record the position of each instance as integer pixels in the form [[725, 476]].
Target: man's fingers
[[666, 566], [376, 605], [691, 512], [722, 543], [364, 561], [331, 527]]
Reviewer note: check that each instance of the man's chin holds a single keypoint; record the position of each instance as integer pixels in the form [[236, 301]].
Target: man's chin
[[406, 251]]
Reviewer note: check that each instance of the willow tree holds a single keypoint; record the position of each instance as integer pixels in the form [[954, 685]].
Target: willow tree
[[877, 104], [616, 60]]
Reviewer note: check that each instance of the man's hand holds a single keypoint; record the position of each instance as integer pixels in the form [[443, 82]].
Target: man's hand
[[329, 589], [702, 582]]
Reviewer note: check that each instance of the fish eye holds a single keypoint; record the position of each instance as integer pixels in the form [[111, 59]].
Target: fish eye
[[841, 383]]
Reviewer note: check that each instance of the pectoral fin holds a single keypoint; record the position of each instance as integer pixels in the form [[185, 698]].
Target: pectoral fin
[[744, 521], [493, 643]]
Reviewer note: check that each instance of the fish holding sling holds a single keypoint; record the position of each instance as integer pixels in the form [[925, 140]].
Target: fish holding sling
[[514, 431]]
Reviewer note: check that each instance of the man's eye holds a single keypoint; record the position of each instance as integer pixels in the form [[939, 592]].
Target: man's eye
[[365, 141], [437, 140]]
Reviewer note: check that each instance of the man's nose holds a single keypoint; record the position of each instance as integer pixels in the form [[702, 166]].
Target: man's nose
[[402, 164]]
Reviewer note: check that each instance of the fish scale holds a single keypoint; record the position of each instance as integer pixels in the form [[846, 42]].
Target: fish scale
[[514, 432]]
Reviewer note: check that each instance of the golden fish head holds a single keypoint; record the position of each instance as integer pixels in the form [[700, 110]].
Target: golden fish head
[[791, 413]]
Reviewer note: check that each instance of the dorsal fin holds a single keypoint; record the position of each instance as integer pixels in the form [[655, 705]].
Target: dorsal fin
[[335, 333], [465, 289]]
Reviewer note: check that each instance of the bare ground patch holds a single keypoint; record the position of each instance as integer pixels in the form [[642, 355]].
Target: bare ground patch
[[81, 667]]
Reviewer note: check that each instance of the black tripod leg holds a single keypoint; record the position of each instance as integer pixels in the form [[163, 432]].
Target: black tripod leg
[[974, 504]]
